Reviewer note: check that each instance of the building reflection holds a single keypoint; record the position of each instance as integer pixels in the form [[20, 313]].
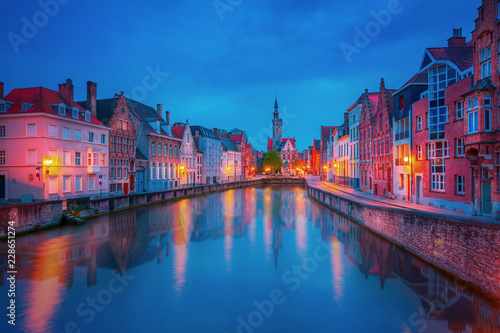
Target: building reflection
[[163, 233]]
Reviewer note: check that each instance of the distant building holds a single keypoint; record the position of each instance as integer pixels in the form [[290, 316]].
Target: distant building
[[369, 108], [211, 147], [231, 163], [51, 148], [315, 160], [341, 158], [157, 145], [326, 135], [354, 122]]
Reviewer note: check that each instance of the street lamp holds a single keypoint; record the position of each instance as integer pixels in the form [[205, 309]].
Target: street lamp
[[47, 162]]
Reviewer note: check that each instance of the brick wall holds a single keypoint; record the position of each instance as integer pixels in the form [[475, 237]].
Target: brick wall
[[30, 216], [465, 248]]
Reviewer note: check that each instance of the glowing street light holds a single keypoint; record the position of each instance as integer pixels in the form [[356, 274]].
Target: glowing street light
[[47, 161], [406, 159]]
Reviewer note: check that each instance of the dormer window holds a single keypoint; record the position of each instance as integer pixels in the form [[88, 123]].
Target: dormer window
[[75, 112], [60, 109], [2, 107], [26, 106], [87, 115]]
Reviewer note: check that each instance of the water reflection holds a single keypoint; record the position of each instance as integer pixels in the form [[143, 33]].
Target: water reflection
[[234, 232]]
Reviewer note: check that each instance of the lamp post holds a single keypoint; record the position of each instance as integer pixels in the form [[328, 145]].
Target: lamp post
[[235, 167], [47, 162]]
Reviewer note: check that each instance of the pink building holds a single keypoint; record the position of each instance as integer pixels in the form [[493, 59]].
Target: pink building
[[50, 147]]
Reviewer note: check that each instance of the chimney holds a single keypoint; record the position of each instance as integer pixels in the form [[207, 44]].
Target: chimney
[[159, 109], [167, 116], [1, 90], [66, 91], [457, 40], [92, 97]]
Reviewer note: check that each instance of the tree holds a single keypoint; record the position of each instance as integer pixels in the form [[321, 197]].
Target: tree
[[273, 160]]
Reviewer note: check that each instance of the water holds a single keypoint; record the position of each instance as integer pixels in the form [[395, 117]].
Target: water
[[249, 260]]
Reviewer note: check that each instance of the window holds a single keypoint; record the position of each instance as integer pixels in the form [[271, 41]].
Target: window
[[66, 157], [112, 141], [159, 149], [52, 184], [472, 122], [31, 157], [401, 180], [460, 110], [103, 139], [112, 173], [119, 173], [486, 62], [91, 182], [119, 144], [419, 123], [171, 150], [53, 156], [91, 136], [75, 115], [487, 100], [2, 107], [78, 135], [66, 133], [103, 159], [166, 151], [119, 124], [95, 160], [401, 102], [78, 183], [487, 119], [66, 184], [61, 109], [87, 115], [460, 184], [419, 152], [475, 102], [25, 106], [2, 131], [78, 158], [32, 130], [3, 155], [469, 104], [440, 77], [153, 148], [438, 151], [153, 171], [459, 146]]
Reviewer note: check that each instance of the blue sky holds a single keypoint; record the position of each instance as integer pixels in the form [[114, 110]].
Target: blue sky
[[220, 63]]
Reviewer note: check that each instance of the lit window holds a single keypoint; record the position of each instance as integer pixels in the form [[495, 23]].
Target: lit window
[[419, 152], [32, 130], [103, 159], [95, 160], [460, 184]]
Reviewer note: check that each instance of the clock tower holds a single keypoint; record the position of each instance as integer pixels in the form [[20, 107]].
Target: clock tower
[[277, 126]]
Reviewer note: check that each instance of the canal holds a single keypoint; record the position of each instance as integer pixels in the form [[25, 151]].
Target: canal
[[263, 259]]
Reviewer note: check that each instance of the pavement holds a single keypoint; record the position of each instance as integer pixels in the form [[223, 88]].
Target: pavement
[[373, 200]]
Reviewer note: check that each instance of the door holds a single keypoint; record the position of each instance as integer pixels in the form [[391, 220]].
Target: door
[[486, 198], [419, 189], [140, 180], [376, 189], [125, 188], [2, 187]]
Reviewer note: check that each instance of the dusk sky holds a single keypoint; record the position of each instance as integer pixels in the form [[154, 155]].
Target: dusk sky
[[226, 59]]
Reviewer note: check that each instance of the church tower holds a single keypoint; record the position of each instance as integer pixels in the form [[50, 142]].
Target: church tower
[[277, 126]]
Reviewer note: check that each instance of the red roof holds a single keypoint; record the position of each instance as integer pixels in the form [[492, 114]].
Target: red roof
[[270, 142], [422, 77], [325, 132], [42, 100], [179, 131], [237, 138], [460, 56]]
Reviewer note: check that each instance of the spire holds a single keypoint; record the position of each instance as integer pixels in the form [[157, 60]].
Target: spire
[[276, 103]]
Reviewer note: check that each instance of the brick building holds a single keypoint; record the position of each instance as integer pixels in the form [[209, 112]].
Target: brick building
[[382, 143], [369, 106], [481, 103], [326, 135], [441, 175], [114, 113]]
